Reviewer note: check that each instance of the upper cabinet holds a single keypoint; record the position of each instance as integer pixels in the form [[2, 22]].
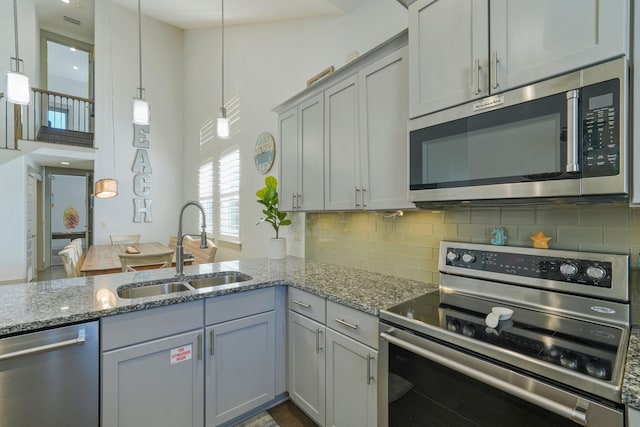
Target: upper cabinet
[[344, 141], [469, 49]]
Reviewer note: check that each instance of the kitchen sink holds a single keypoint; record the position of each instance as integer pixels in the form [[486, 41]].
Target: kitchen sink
[[219, 279], [152, 290], [163, 288]]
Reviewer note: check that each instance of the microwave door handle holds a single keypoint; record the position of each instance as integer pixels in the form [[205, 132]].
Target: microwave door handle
[[573, 117]]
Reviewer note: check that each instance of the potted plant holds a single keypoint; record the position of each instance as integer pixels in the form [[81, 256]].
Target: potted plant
[[268, 197]]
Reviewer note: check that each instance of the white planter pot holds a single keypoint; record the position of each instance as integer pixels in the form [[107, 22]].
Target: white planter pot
[[277, 248]]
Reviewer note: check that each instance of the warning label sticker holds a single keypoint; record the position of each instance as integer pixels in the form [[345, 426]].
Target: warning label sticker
[[180, 354]]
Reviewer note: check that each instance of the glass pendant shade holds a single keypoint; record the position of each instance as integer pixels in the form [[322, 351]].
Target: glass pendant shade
[[223, 130], [141, 112], [18, 90], [106, 188]]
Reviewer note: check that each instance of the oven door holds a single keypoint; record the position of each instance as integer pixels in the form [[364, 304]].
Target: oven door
[[426, 383]]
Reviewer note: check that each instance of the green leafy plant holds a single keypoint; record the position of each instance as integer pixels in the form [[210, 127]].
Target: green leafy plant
[[268, 197]]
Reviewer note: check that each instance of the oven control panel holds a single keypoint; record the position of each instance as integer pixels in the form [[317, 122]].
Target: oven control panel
[[581, 271]]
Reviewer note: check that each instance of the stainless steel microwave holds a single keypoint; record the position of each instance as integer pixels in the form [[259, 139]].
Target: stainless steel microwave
[[561, 139]]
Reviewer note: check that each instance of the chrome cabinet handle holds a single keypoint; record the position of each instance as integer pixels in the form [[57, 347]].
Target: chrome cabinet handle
[[299, 201], [576, 414], [211, 335], [357, 193], [75, 341], [318, 347], [572, 131], [293, 201], [347, 324], [301, 304], [476, 80], [369, 371], [199, 346], [362, 197], [495, 70]]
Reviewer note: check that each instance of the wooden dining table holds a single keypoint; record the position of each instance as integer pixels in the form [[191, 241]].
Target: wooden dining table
[[104, 259]]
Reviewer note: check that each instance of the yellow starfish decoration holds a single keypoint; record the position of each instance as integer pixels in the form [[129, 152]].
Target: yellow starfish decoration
[[540, 241]]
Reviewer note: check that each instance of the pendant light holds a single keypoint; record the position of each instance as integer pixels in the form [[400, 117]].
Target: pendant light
[[223, 130], [141, 111], [18, 90]]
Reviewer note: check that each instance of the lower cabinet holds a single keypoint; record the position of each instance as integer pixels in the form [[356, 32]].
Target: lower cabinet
[[307, 366], [332, 368], [240, 366], [168, 367], [351, 382], [157, 383]]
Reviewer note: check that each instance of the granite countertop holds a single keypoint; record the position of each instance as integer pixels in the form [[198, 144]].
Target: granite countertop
[[30, 306], [631, 381]]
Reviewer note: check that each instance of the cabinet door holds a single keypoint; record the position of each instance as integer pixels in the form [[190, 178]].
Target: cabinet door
[[538, 39], [288, 185], [351, 382], [157, 383], [307, 366], [342, 183], [311, 154], [448, 42], [633, 417], [240, 366], [384, 112]]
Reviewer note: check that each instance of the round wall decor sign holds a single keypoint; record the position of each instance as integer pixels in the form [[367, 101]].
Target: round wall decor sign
[[265, 152]]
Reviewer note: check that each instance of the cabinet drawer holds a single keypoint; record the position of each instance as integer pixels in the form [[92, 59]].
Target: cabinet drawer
[[144, 325], [353, 323], [241, 304], [307, 304]]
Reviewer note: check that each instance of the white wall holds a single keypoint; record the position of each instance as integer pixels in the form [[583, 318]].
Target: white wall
[[116, 45], [264, 65]]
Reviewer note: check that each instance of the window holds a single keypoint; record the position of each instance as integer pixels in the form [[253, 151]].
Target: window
[[57, 118], [205, 193], [229, 194]]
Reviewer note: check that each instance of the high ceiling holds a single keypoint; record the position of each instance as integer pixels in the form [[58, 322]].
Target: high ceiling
[[187, 14]]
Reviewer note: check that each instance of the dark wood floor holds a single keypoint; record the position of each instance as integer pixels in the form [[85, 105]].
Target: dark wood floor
[[288, 415]]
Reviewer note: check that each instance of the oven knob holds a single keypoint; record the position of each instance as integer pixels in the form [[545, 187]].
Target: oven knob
[[597, 370], [468, 330], [568, 269], [453, 256], [569, 362], [468, 258], [596, 272], [453, 325]]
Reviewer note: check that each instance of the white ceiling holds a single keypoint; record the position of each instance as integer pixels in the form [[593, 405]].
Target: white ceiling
[[188, 14]]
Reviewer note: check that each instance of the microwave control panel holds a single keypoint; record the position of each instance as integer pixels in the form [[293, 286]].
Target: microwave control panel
[[600, 129]]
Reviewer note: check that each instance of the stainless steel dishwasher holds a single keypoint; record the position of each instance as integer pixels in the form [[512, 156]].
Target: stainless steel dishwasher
[[50, 378]]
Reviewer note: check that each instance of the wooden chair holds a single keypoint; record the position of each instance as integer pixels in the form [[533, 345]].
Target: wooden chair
[[77, 244], [201, 256], [124, 239], [136, 262]]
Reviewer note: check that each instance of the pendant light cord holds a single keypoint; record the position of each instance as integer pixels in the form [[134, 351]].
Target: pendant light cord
[[15, 29], [139, 46], [222, 105]]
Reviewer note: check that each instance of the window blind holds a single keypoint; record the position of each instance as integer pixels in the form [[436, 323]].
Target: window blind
[[229, 191]]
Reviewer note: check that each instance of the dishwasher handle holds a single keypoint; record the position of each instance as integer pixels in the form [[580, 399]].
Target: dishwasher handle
[[47, 347]]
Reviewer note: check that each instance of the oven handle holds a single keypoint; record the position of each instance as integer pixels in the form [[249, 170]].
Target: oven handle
[[577, 414]]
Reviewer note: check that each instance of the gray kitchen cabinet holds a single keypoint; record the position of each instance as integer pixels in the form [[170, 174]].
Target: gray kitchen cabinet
[[351, 382], [525, 42], [341, 152], [241, 354], [307, 365], [302, 140], [633, 417], [365, 137], [153, 367]]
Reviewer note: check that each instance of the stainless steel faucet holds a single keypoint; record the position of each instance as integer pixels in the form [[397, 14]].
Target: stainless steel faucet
[[203, 237]]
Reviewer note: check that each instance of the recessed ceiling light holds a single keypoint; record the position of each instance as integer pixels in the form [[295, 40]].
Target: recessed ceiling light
[[66, 1], [72, 49], [75, 67], [65, 163]]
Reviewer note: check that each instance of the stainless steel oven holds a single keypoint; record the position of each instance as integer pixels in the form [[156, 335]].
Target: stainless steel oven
[[565, 138], [513, 336]]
